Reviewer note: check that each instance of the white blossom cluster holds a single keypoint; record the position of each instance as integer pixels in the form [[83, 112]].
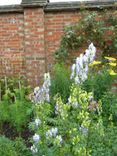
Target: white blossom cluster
[[57, 109], [73, 102], [80, 68], [37, 122], [36, 139], [42, 94], [52, 133], [34, 149]]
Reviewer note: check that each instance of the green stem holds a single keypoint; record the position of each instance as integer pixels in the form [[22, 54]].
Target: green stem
[[0, 93], [6, 86]]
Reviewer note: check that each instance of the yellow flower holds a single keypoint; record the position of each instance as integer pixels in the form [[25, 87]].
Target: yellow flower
[[112, 64], [110, 58], [95, 63], [112, 72]]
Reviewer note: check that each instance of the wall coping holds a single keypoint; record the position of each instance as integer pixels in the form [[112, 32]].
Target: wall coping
[[10, 8], [59, 6], [33, 3]]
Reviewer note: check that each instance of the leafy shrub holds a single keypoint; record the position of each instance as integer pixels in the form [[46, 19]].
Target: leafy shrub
[[60, 82], [90, 28], [78, 125], [109, 106], [100, 83], [6, 147], [104, 144], [64, 129], [77, 128], [15, 108], [21, 148], [13, 148], [20, 114]]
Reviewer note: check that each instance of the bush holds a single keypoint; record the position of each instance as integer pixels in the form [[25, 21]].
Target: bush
[[90, 28], [15, 108], [109, 106], [60, 83], [103, 144], [13, 148], [6, 147], [64, 130], [100, 83]]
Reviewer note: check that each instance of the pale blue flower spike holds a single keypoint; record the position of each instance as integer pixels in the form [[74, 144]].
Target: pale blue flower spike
[[80, 68]]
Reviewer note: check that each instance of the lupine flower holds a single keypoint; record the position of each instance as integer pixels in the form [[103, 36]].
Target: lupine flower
[[42, 94], [37, 122], [34, 149], [48, 134], [73, 71], [73, 103], [84, 130], [80, 68], [36, 138], [52, 133], [56, 109]]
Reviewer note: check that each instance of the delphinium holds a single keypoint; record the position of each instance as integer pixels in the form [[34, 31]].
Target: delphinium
[[65, 129], [41, 94], [81, 66]]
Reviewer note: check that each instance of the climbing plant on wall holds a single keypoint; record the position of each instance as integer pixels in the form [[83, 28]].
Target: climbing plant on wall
[[99, 28]]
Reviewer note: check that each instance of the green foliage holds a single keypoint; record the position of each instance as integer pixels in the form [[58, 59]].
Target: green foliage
[[90, 29], [13, 148], [6, 147], [20, 113], [15, 108], [105, 144], [60, 82], [21, 148], [11, 84], [61, 54], [100, 83], [87, 127], [109, 106], [73, 120]]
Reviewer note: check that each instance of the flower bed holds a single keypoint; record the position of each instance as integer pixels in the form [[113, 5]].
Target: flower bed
[[72, 114]]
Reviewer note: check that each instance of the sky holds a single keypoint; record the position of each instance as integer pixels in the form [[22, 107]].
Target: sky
[[8, 2]]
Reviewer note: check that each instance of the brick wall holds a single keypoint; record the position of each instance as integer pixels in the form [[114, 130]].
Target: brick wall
[[34, 47], [31, 32], [11, 43], [54, 28]]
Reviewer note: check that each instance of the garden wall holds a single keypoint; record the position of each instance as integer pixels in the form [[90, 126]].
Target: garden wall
[[31, 32]]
